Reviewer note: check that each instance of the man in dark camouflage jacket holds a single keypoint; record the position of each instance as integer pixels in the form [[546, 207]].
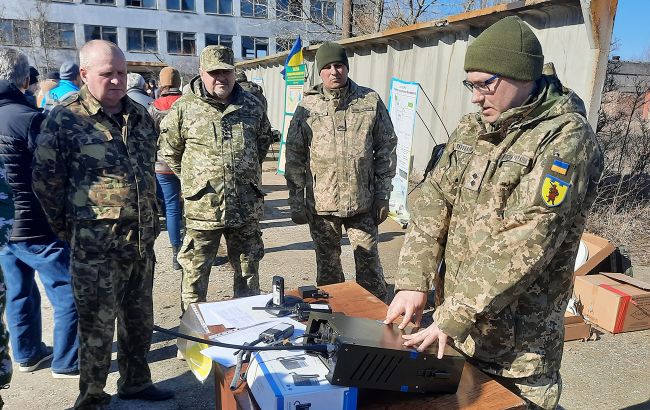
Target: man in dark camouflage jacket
[[215, 139], [505, 207], [340, 163], [93, 174]]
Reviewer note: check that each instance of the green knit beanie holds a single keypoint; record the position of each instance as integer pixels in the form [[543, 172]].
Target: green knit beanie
[[329, 53], [508, 48]]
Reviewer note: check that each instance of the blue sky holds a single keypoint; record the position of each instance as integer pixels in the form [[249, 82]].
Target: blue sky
[[632, 29]]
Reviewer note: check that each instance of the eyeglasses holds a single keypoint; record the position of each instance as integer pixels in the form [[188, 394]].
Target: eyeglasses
[[482, 88]]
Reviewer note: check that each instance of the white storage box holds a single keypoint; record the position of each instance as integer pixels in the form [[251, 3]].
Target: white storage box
[[294, 380]]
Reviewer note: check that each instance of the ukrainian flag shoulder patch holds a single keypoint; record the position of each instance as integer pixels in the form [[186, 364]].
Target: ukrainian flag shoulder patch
[[560, 167]]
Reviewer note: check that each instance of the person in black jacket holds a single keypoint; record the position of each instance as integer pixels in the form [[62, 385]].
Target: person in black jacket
[[32, 246]]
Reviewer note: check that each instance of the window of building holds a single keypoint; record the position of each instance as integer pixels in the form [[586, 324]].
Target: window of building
[[254, 8], [218, 40], [15, 33], [59, 35], [100, 2], [283, 44], [323, 11], [288, 9], [141, 40], [61, 1], [181, 43], [254, 47], [180, 5], [218, 6], [107, 33], [145, 4]]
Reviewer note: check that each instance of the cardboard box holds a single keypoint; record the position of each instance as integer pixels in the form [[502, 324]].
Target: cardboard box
[[613, 301], [599, 250], [294, 380], [575, 328]]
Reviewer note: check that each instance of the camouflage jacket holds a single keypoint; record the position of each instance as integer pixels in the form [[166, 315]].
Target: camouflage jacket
[[7, 210], [217, 151], [341, 149], [95, 179], [505, 207], [256, 90]]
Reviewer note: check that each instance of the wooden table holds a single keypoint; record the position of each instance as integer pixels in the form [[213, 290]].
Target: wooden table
[[476, 390]]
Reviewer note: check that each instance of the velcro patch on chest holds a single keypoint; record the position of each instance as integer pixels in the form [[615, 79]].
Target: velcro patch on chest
[[464, 148], [516, 158]]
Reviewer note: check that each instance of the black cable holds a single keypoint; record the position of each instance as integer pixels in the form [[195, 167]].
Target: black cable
[[311, 348], [434, 110]]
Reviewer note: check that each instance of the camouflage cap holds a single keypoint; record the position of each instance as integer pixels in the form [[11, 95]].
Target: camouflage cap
[[217, 58]]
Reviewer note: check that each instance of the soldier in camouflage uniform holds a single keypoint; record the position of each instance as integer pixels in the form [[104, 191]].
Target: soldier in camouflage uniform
[[251, 87], [505, 208], [215, 139], [93, 174], [6, 222], [341, 150]]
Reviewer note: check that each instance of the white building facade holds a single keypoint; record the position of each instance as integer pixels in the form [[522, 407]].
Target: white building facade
[[155, 33]]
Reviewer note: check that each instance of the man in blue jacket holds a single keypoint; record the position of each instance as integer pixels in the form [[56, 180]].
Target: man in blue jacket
[[69, 84], [32, 245]]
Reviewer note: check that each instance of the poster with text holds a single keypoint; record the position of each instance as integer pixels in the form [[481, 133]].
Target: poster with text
[[293, 91], [402, 105]]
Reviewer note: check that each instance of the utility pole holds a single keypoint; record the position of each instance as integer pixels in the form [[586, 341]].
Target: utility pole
[[347, 19]]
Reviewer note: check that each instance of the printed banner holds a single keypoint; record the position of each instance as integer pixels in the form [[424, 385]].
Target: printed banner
[[293, 91]]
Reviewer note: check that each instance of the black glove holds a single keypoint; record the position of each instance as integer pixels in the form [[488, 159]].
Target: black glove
[[299, 216], [380, 210]]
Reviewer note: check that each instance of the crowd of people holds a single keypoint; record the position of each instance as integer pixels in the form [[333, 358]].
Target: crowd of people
[[91, 155]]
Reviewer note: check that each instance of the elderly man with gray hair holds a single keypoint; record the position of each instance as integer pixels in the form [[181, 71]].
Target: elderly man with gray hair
[[135, 90], [32, 245]]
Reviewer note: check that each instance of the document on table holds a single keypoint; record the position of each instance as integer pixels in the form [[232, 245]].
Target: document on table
[[236, 313], [226, 357]]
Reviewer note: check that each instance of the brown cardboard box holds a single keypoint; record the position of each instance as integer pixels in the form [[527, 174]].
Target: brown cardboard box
[[613, 301], [575, 328], [599, 249]]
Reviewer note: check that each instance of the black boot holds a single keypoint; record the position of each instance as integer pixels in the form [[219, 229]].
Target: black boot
[[175, 264]]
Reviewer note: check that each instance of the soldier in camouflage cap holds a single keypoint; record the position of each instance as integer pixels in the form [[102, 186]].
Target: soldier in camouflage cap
[[341, 151], [505, 208], [215, 139], [93, 174]]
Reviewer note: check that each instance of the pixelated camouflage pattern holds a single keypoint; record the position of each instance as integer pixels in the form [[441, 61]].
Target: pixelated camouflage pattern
[[217, 152], [95, 179], [509, 256], [245, 250], [362, 232], [256, 90], [6, 223], [341, 150], [105, 288], [217, 58], [540, 391]]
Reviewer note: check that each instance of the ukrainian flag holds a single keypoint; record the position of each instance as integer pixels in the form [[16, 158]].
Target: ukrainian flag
[[295, 56], [560, 167]]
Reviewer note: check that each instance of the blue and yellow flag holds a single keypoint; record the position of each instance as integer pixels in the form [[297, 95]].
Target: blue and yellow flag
[[295, 56]]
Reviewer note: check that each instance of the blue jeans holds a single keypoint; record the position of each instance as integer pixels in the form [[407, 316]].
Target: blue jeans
[[51, 258], [171, 189]]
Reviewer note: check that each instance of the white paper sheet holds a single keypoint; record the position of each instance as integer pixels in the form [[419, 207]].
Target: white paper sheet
[[225, 356], [236, 313]]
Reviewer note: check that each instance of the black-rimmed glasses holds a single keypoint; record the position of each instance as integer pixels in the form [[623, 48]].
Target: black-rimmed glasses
[[483, 88]]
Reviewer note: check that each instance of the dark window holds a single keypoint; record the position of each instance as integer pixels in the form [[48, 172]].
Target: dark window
[[15, 33], [145, 4], [288, 9], [100, 2], [218, 6], [59, 35], [254, 47], [254, 8], [101, 33], [141, 40], [218, 40], [323, 11], [181, 43], [180, 5]]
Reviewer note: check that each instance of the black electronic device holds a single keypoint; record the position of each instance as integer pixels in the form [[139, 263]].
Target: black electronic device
[[278, 290], [369, 354]]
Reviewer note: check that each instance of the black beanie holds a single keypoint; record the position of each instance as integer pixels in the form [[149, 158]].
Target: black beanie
[[329, 53], [508, 48]]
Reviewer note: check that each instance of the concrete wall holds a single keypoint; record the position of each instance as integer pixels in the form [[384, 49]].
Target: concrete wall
[[575, 36]]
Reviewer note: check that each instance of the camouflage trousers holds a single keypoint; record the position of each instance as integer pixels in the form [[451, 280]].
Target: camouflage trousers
[[540, 391], [245, 250], [362, 231], [5, 360], [105, 289]]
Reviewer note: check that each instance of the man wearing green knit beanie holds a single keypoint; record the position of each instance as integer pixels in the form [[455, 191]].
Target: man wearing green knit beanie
[[504, 208], [340, 161]]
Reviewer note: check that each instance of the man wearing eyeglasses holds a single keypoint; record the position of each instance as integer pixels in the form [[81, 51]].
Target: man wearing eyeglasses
[[504, 208]]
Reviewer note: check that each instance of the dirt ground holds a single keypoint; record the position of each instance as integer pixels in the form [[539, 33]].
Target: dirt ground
[[608, 373]]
